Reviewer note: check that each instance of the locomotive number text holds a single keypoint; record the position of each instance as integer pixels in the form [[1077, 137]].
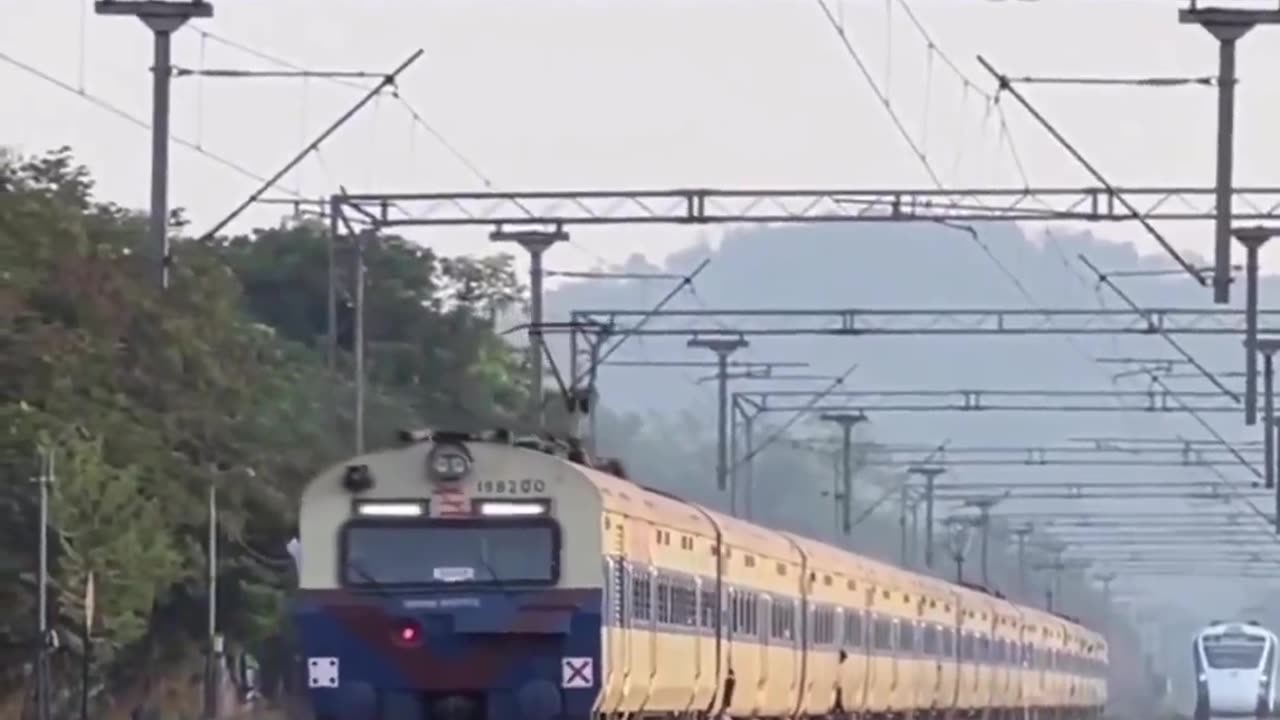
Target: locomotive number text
[[527, 486]]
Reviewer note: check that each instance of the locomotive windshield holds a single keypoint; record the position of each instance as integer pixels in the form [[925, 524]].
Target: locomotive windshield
[[1237, 653], [450, 553]]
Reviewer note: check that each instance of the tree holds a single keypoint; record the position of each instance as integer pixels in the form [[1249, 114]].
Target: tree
[[151, 396]]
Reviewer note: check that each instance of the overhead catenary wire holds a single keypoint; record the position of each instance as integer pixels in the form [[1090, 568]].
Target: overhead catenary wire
[[1104, 280], [1005, 134], [1006, 86], [370, 95], [781, 432], [125, 115]]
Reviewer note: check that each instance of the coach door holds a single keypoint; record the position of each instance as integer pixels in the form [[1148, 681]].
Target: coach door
[[642, 641], [618, 665], [765, 613]]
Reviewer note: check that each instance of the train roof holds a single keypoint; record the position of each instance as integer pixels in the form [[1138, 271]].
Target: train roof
[[1236, 627]]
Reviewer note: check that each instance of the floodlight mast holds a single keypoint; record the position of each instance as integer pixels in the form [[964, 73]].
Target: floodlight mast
[[164, 19], [1227, 26], [1252, 238], [536, 243], [1267, 347], [984, 506], [846, 421], [960, 534], [1021, 534], [723, 347], [930, 474]]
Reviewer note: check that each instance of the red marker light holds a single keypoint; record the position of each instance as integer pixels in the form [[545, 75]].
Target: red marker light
[[407, 633]]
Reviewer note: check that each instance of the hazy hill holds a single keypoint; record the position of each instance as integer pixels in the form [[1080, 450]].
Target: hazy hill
[[882, 266]]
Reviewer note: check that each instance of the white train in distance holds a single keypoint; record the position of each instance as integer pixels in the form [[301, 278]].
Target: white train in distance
[[1236, 665]]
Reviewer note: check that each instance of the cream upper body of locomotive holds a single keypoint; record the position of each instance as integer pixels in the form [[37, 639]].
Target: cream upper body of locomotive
[[580, 498]]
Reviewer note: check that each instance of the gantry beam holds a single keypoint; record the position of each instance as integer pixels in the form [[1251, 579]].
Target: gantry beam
[[991, 486], [702, 206], [927, 321], [1048, 455], [1078, 492], [987, 400]]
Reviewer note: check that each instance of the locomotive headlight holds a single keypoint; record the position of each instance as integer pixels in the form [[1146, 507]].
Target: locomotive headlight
[[408, 508], [448, 463], [504, 508]]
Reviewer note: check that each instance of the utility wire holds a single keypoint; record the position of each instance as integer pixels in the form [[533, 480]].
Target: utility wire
[[897, 488], [933, 47], [1104, 280], [133, 119], [781, 432]]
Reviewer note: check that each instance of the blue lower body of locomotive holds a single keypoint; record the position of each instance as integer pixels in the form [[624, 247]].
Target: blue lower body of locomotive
[[482, 655]]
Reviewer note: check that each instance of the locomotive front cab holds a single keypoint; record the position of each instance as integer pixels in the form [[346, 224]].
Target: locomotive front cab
[[443, 584]]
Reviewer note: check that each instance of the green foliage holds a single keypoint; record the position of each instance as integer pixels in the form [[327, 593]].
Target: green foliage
[[149, 397], [109, 526]]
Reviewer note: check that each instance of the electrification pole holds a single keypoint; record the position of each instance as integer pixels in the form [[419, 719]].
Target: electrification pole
[[930, 474], [1227, 26], [358, 340], [984, 506], [959, 535], [211, 675], [536, 243], [1021, 533], [1268, 347], [1252, 238], [163, 18], [723, 348], [846, 422], [44, 480], [748, 470], [904, 499], [1106, 579]]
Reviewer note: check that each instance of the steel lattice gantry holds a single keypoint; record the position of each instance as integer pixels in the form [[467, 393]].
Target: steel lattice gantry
[[704, 206], [882, 401], [923, 321]]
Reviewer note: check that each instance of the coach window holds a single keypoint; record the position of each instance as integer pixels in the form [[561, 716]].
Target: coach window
[[907, 637], [641, 595], [664, 600], [948, 643], [778, 620], [930, 638], [853, 625], [708, 609], [823, 626], [882, 632]]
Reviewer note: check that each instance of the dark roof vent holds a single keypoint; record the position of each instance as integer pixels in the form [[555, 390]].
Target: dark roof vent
[[420, 435], [614, 467]]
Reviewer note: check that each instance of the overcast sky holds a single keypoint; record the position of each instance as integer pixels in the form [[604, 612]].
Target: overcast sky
[[562, 94], [662, 93]]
